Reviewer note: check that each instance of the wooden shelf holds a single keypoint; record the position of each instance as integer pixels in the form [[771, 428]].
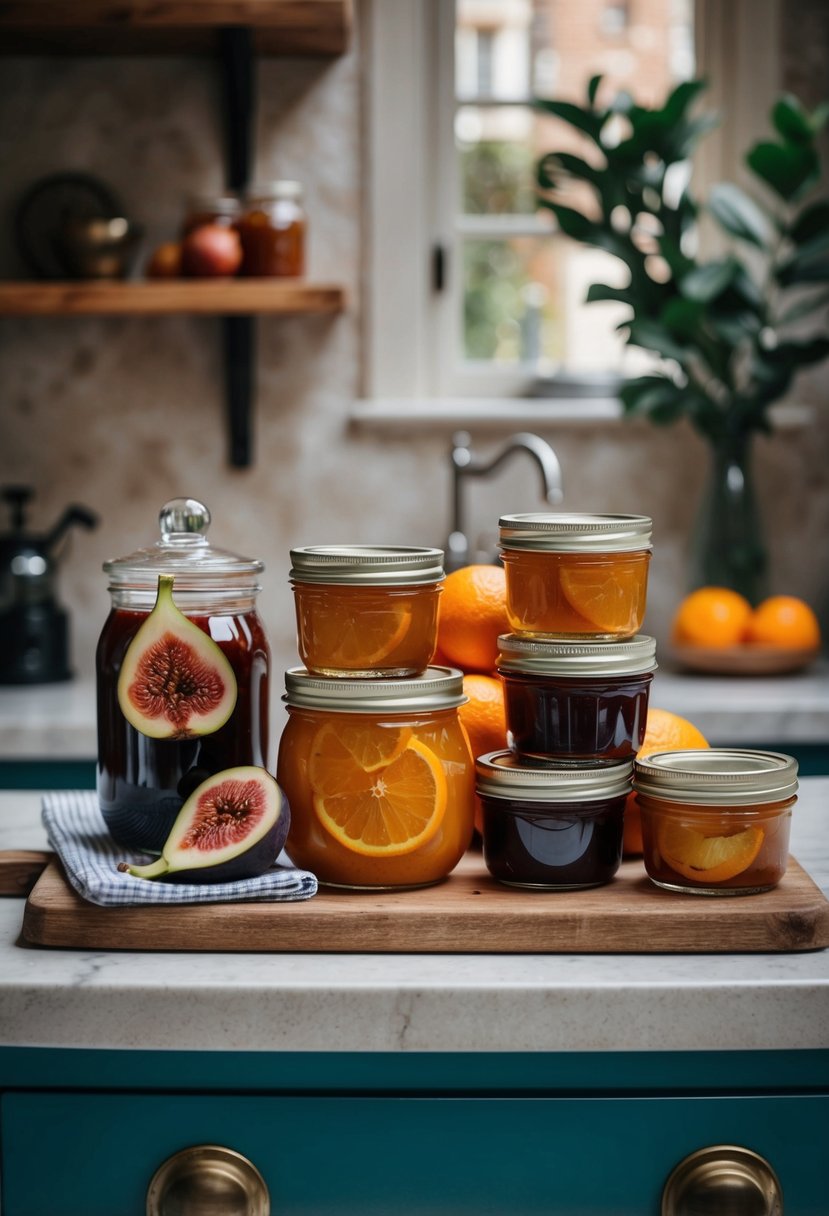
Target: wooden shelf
[[135, 27], [215, 297]]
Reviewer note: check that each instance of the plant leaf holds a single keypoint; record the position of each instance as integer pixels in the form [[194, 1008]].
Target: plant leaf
[[683, 317], [811, 222], [805, 307], [656, 396], [739, 214], [681, 98], [598, 292], [788, 168], [653, 336], [593, 88], [587, 121], [708, 281], [792, 120], [555, 164], [808, 264], [797, 352]]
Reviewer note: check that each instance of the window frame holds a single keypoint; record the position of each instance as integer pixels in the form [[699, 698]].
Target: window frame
[[411, 328]]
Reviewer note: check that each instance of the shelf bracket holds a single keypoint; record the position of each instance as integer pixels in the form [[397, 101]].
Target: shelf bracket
[[237, 63]]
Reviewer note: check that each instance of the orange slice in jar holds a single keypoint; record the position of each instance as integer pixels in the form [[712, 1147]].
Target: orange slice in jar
[[340, 747], [355, 639], [708, 859], [390, 810], [608, 598]]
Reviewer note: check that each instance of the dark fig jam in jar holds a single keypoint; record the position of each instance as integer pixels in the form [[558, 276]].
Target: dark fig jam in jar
[[576, 702], [551, 828], [143, 780], [716, 821]]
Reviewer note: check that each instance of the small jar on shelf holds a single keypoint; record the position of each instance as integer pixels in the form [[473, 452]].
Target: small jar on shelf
[[272, 228], [200, 209]]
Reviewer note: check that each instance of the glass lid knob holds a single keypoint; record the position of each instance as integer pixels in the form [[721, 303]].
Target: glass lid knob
[[184, 518]]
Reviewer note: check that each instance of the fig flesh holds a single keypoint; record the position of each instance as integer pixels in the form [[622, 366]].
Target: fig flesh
[[232, 826], [175, 682]]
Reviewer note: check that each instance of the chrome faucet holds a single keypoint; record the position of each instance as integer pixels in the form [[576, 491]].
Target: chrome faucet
[[466, 464]]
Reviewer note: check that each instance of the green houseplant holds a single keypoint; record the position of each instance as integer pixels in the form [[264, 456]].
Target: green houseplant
[[728, 329]]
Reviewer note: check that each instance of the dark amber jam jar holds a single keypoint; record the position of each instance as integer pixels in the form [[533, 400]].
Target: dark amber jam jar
[[576, 576], [551, 828], [715, 821], [576, 702], [272, 229]]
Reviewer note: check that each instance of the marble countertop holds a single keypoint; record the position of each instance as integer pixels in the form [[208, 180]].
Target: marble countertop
[[396, 1002], [57, 721]]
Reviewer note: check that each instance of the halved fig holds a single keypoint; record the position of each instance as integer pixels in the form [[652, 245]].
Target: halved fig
[[232, 826], [175, 683]]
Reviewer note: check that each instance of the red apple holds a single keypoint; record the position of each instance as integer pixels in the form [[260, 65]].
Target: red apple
[[211, 251]]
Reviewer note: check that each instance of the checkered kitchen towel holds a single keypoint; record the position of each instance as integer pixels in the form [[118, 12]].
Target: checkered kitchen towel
[[90, 856]]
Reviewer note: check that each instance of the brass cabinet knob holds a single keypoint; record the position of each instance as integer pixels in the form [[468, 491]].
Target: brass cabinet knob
[[208, 1180], [723, 1180]]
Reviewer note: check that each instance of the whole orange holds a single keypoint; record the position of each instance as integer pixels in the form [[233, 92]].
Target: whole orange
[[484, 719], [711, 616], [664, 732], [784, 620], [472, 615]]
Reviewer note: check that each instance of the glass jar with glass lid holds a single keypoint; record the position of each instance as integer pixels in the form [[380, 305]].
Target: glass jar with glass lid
[[182, 668], [273, 229]]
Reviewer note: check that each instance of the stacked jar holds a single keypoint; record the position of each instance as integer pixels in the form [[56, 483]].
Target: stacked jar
[[373, 759], [577, 676]]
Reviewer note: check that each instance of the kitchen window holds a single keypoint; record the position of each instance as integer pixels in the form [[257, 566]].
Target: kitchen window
[[471, 291]]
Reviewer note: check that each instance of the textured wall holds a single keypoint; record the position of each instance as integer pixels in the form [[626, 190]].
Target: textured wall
[[122, 414]]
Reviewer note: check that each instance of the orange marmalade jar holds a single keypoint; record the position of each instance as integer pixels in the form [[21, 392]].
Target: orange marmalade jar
[[379, 778], [576, 576], [715, 821], [366, 611]]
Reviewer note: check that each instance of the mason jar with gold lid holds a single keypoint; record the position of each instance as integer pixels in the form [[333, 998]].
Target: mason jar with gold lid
[[379, 777], [575, 575], [366, 610], [716, 821]]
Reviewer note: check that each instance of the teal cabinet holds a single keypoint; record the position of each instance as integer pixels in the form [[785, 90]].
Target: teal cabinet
[[92, 1150]]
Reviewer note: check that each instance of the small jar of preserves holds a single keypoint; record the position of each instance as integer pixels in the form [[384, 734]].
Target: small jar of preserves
[[366, 610], [576, 702], [379, 778], [551, 828], [272, 229], [576, 576], [716, 821]]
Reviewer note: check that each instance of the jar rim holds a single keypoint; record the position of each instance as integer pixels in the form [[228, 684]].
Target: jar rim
[[601, 657], [717, 776], [574, 532], [437, 688], [367, 565], [501, 774]]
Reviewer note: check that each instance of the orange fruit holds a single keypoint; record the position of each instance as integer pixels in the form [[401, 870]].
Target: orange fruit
[[711, 616], [353, 638], [485, 721], [472, 614], [784, 620], [664, 732], [709, 859], [608, 599], [385, 810]]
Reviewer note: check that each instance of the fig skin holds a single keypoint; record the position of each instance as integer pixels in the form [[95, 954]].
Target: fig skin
[[249, 857], [155, 699]]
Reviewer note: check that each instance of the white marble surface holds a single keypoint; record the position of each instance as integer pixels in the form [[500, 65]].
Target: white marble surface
[[57, 721], [351, 1002]]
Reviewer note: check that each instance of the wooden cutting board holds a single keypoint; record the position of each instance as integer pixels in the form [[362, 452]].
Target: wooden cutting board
[[469, 912]]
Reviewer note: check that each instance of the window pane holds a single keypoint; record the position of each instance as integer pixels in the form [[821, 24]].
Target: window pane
[[524, 303], [523, 296]]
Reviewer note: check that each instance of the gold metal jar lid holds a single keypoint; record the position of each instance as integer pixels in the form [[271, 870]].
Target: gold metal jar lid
[[717, 776], [502, 775], [437, 688], [367, 565], [555, 532], [536, 656]]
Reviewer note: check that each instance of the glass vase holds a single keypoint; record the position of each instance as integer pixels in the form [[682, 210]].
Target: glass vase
[[728, 549]]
